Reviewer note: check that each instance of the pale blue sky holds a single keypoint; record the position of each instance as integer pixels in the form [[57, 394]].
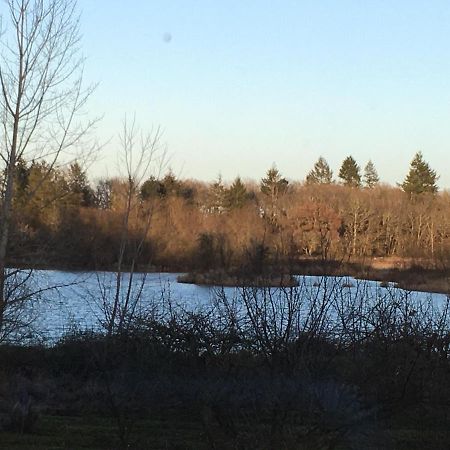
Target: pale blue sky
[[244, 84]]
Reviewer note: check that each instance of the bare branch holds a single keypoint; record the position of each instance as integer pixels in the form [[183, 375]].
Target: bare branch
[[42, 97]]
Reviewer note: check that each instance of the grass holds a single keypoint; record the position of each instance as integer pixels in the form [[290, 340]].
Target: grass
[[63, 432], [174, 433]]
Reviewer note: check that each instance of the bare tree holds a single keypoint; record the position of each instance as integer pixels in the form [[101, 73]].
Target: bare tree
[[41, 98], [142, 155], [121, 295]]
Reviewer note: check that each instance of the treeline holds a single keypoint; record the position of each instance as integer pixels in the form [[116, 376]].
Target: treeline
[[62, 219]]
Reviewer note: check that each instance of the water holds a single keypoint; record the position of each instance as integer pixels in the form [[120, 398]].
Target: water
[[79, 298], [69, 300]]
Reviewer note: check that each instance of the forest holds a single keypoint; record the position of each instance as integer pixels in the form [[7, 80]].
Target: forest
[[180, 225]]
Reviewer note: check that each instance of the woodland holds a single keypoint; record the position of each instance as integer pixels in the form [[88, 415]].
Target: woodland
[[183, 225]]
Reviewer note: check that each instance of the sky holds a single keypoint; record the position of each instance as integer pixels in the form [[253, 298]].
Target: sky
[[238, 86]]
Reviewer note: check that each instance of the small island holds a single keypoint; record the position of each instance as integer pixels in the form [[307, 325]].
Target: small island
[[235, 279]]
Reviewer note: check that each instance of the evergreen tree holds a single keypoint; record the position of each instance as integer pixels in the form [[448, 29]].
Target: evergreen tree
[[273, 185], [236, 196], [152, 188], [321, 173], [21, 181], [170, 184], [21, 174], [50, 196], [79, 185], [349, 173], [216, 196], [421, 178], [371, 178]]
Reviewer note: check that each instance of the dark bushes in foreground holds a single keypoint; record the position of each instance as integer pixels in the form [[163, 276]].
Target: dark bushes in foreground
[[263, 371]]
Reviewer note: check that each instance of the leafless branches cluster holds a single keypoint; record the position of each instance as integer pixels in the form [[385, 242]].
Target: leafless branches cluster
[[306, 366], [42, 98]]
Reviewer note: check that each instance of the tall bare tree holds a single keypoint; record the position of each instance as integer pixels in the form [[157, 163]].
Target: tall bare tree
[[142, 155], [41, 98]]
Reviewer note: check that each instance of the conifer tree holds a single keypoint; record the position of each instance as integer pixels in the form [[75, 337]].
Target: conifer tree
[[349, 173], [273, 185], [236, 195], [321, 173], [421, 178], [371, 178], [151, 188], [79, 185], [216, 196], [170, 184]]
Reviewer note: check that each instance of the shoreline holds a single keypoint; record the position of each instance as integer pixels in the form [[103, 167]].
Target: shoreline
[[406, 273]]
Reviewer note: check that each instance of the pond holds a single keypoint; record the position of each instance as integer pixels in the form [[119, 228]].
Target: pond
[[78, 300]]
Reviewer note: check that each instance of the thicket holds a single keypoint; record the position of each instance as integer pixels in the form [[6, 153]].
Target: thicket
[[311, 367]]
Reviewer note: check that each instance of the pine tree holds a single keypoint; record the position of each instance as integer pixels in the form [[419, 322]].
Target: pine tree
[[421, 178], [79, 185], [216, 196], [170, 185], [349, 173], [21, 180], [152, 188], [273, 185], [52, 196], [237, 195], [321, 173], [371, 178]]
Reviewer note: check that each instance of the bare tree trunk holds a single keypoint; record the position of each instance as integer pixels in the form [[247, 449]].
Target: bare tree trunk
[[11, 165], [4, 233]]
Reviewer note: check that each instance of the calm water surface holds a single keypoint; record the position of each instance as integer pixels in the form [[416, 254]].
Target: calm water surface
[[75, 298]]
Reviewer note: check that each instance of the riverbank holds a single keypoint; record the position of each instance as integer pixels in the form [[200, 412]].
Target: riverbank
[[406, 273]]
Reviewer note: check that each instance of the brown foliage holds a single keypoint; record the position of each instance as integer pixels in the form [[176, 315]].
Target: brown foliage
[[327, 222]]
